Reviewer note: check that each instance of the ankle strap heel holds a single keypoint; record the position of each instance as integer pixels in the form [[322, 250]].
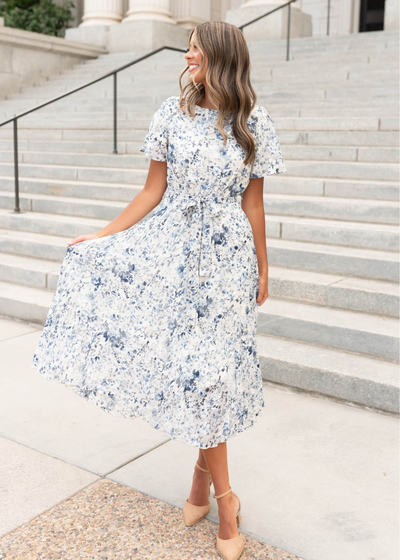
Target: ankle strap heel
[[238, 515], [231, 549], [191, 513], [222, 495]]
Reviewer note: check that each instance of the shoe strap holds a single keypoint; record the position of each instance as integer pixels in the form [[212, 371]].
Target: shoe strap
[[222, 495], [201, 468]]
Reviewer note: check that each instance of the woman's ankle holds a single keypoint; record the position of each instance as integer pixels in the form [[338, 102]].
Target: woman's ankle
[[202, 462], [228, 505]]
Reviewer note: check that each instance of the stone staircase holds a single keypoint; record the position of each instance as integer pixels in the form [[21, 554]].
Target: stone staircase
[[330, 324]]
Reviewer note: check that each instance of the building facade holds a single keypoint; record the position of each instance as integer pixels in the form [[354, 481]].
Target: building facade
[[346, 16]]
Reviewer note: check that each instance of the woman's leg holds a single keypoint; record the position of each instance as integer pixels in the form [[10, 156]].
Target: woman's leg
[[199, 495], [217, 461]]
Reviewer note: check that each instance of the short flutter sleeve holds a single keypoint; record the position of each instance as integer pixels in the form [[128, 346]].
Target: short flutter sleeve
[[155, 143], [269, 159]]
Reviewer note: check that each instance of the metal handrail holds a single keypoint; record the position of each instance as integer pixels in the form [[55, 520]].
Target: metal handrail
[[113, 73], [271, 12], [328, 17]]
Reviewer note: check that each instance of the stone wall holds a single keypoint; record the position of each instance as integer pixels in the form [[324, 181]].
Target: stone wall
[[26, 57]]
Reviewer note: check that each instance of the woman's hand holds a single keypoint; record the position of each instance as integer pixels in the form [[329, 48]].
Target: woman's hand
[[83, 238], [262, 288]]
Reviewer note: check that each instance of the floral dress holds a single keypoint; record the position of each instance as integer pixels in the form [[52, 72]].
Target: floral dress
[[159, 321]]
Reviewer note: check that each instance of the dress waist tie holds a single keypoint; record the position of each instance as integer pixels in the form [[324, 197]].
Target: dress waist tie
[[205, 208]]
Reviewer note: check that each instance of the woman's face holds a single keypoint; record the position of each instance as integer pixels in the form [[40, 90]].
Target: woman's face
[[193, 59]]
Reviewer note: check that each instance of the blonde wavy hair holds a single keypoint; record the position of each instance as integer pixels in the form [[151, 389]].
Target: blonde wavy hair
[[227, 79]]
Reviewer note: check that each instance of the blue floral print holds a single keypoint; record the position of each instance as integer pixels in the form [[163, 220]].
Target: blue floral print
[[159, 321]]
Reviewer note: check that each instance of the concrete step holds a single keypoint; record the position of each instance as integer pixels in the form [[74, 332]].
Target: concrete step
[[348, 261], [136, 161], [24, 302], [373, 154], [353, 378], [334, 291], [92, 190], [82, 147], [324, 52], [343, 169], [80, 134], [373, 39], [379, 237], [350, 68], [375, 211], [86, 208], [49, 224], [342, 329], [37, 245], [28, 271], [71, 173], [335, 188]]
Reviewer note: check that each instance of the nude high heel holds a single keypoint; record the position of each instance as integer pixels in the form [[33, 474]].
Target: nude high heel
[[231, 549], [191, 513]]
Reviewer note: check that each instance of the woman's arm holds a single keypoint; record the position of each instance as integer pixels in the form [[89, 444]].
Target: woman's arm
[[140, 206], [253, 207]]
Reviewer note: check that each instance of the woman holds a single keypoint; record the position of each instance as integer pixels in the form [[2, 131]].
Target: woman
[[156, 318]]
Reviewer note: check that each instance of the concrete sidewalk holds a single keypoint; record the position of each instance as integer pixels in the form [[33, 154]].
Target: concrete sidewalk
[[317, 479]]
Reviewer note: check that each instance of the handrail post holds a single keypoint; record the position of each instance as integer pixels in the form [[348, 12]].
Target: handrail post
[[16, 180], [115, 151], [288, 33], [329, 12]]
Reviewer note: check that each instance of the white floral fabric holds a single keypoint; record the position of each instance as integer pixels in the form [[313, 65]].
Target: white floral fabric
[[159, 321]]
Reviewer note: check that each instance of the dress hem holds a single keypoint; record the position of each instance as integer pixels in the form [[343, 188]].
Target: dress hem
[[76, 390]]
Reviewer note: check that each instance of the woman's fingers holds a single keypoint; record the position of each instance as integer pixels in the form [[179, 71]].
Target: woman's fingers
[[83, 238], [262, 297], [262, 291], [76, 240]]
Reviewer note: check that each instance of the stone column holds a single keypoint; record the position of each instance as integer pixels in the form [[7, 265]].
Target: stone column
[[391, 21], [102, 12], [188, 14], [158, 10]]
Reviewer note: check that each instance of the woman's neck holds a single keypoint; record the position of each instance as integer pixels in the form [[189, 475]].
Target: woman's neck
[[205, 102]]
